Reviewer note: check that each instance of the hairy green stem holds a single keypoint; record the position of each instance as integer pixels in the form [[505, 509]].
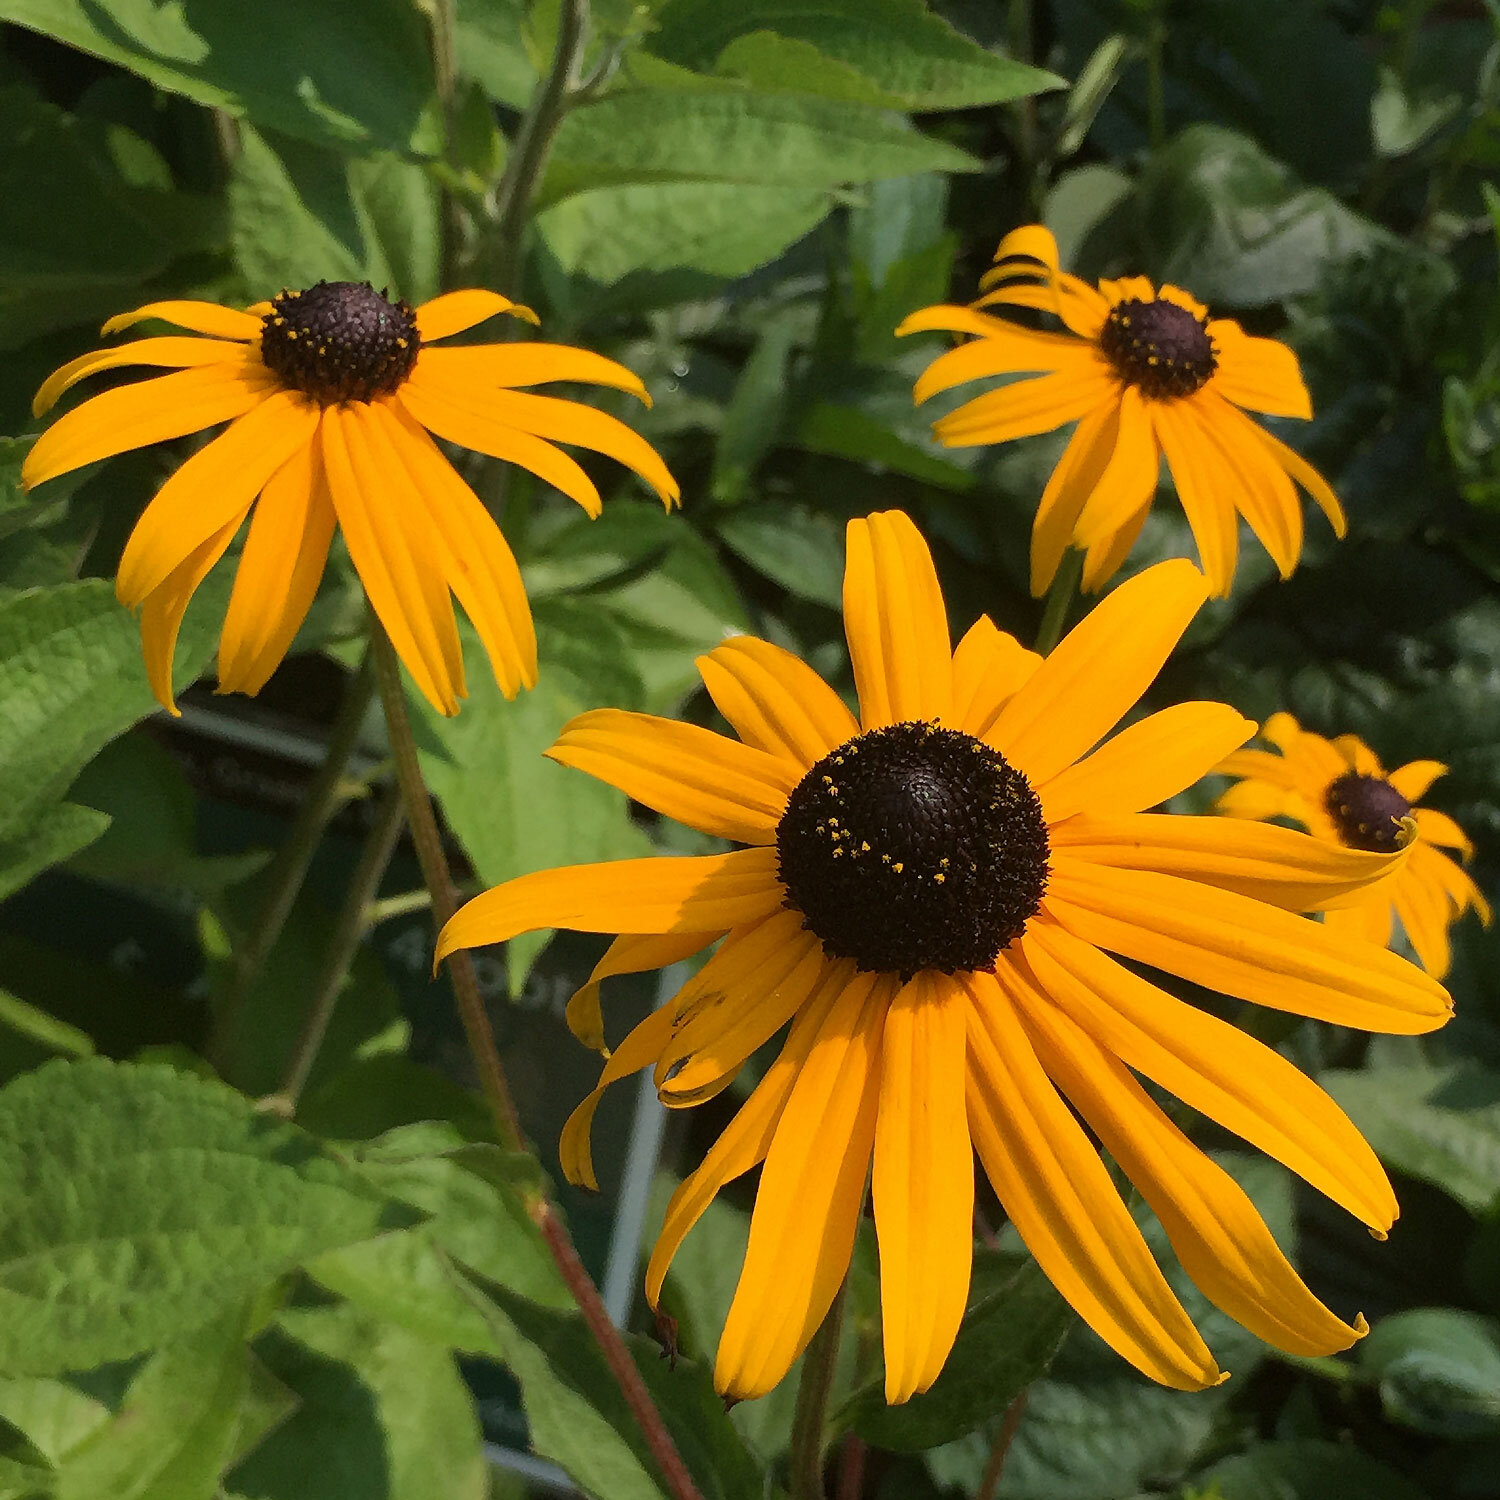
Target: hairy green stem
[[533, 143], [349, 929], [289, 869], [810, 1420], [1059, 600]]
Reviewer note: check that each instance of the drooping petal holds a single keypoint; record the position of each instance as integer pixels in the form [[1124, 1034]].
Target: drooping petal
[[989, 666], [1146, 762], [694, 893], [279, 571], [1059, 1196], [393, 552], [169, 353], [150, 411], [1129, 479], [1369, 922], [705, 780], [1025, 408], [1438, 868], [1098, 671], [923, 1181], [1308, 477], [1220, 1238], [1214, 1068], [476, 560], [1260, 764], [808, 1202], [1197, 473], [1241, 947], [164, 607], [1289, 869], [1258, 799], [1080, 307], [775, 701], [1422, 906], [213, 487], [1415, 779], [896, 623], [200, 317], [1438, 828], [1008, 350], [1067, 491], [1107, 555], [453, 312], [525, 364], [1258, 373], [630, 953]]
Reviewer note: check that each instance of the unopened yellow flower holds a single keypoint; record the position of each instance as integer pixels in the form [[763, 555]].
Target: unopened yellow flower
[[1339, 792], [330, 394], [1145, 372], [929, 901]]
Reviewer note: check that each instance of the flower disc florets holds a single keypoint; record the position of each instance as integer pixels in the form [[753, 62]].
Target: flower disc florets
[[1158, 346], [914, 847], [340, 341], [1368, 812]]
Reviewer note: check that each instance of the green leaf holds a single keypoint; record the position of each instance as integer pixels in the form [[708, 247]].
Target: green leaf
[[142, 1202], [491, 49], [46, 1030], [1234, 225], [1438, 1124], [860, 435], [1439, 1371], [71, 679], [58, 833], [913, 57], [352, 72], [755, 414], [174, 1433], [801, 549], [1305, 1470], [723, 228], [301, 213], [79, 235], [384, 1415], [1015, 1325], [652, 135]]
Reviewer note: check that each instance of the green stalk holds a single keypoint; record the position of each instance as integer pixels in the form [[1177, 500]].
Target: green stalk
[[1060, 599], [810, 1419]]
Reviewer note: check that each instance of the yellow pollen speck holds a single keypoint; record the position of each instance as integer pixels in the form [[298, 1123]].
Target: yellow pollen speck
[[898, 867], [939, 878], [864, 848]]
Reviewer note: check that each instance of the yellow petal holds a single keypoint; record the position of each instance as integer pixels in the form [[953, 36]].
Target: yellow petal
[[923, 1182], [1369, 922], [702, 779], [474, 557], [393, 551], [213, 487], [775, 701], [1147, 762], [529, 364], [1050, 1181], [1220, 1238], [1026, 407], [630, 953], [951, 318], [453, 312], [1259, 860], [1414, 779], [896, 623], [1206, 502], [1074, 479], [1214, 1068], [279, 571], [1014, 351], [1098, 671], [989, 666], [703, 893], [1357, 755], [1257, 799], [1422, 906], [1438, 828], [808, 1202], [150, 411], [1080, 307], [1129, 478], [1308, 477], [1105, 557], [1258, 373], [171, 353], [1229, 943], [200, 317]]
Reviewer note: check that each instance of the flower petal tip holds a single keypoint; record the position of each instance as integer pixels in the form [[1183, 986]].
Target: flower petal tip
[[1360, 1327]]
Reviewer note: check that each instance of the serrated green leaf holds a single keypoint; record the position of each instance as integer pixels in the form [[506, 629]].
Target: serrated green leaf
[[354, 72], [1438, 1369], [164, 1200]]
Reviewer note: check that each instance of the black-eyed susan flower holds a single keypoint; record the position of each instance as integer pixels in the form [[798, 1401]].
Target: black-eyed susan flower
[[330, 395], [1145, 372], [1338, 791], [930, 900]]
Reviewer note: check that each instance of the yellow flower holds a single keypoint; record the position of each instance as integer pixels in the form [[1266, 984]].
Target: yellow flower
[[927, 899], [1144, 372], [1338, 791], [330, 394]]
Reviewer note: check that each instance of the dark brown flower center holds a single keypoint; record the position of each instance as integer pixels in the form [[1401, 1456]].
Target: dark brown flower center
[[339, 341], [914, 847], [1158, 346], [1367, 811]]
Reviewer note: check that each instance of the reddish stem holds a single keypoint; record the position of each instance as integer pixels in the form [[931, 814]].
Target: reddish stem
[[1007, 1435]]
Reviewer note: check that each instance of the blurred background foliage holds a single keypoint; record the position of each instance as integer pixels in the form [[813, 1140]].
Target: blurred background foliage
[[741, 203]]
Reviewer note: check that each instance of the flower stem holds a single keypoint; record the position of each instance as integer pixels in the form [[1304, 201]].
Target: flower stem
[[1007, 1435], [486, 1055], [443, 21], [289, 869], [1156, 88], [348, 930], [1059, 600], [533, 142], [813, 1390]]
